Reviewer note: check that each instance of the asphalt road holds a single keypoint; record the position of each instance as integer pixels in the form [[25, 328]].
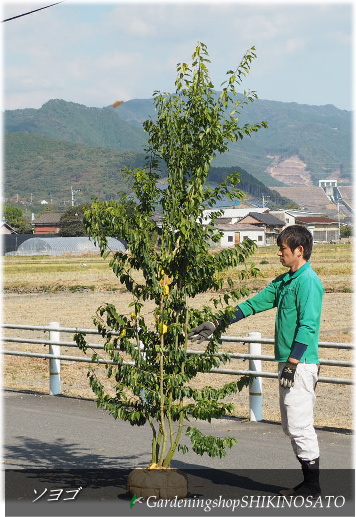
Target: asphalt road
[[71, 439], [61, 432]]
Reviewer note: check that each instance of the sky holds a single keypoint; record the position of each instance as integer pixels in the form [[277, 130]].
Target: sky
[[97, 53]]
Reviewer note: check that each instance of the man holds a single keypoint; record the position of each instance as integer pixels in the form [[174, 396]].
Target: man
[[297, 295]]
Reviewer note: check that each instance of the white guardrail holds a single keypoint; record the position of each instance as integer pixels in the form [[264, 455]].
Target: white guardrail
[[254, 340]]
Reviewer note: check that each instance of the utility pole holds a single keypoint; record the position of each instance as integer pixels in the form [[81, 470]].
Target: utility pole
[[263, 200], [73, 192]]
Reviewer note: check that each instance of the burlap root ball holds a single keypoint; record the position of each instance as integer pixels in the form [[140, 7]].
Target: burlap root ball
[[162, 483]]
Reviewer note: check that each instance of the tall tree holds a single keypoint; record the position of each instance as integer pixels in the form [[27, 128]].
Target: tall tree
[[15, 218], [176, 264], [71, 222]]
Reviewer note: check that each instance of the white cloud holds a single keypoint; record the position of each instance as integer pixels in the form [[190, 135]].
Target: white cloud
[[139, 27], [116, 60], [341, 38], [127, 50], [294, 44]]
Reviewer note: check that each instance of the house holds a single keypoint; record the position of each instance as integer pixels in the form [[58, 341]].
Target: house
[[271, 224], [233, 214], [234, 233], [322, 228], [284, 215], [6, 229], [48, 222]]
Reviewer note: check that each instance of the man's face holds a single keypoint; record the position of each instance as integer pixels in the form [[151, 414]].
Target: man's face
[[289, 258]]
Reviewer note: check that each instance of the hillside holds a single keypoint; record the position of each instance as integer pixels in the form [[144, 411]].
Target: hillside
[[94, 127], [310, 198], [253, 188], [317, 136], [347, 194], [41, 167], [315, 199]]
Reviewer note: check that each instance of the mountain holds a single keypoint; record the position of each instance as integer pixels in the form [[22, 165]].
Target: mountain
[[41, 167], [64, 144], [319, 137], [71, 122]]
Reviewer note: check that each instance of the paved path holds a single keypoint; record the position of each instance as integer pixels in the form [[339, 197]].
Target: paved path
[[58, 435], [61, 432]]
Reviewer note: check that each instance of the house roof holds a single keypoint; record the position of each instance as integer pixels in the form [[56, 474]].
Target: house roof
[[312, 220], [5, 225], [223, 220], [238, 227], [49, 217], [266, 219]]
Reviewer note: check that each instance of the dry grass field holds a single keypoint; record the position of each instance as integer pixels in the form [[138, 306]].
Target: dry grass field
[[38, 290]]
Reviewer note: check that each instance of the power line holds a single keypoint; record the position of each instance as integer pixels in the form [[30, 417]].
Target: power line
[[30, 12]]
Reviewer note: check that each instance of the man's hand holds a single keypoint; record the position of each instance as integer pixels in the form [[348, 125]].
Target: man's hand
[[287, 376], [204, 332]]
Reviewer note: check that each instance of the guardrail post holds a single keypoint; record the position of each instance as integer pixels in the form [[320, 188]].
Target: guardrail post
[[54, 364], [256, 384]]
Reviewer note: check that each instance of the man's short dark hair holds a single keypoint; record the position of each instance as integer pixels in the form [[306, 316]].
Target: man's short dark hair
[[297, 235]]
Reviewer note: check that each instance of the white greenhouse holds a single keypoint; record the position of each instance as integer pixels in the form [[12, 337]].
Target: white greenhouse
[[64, 246]]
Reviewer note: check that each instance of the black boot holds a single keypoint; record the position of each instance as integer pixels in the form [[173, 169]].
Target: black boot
[[310, 486]]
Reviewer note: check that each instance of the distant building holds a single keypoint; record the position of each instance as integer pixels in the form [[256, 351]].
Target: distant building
[[327, 183], [48, 222], [6, 229], [303, 213], [322, 228], [234, 214], [236, 233], [271, 224], [284, 215]]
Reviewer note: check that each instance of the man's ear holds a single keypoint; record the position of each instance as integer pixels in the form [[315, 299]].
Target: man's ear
[[300, 249]]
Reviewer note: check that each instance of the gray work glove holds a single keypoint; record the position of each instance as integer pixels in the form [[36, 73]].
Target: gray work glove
[[287, 376], [204, 332]]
